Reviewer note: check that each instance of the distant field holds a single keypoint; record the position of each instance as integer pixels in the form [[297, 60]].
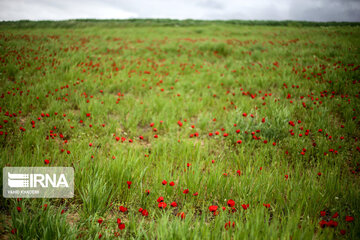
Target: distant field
[[254, 128]]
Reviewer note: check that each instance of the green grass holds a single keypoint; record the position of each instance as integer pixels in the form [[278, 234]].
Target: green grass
[[129, 74]]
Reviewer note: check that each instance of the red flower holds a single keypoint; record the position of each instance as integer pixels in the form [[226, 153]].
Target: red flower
[[342, 232], [319, 174], [195, 194], [180, 123], [238, 172], [162, 205], [145, 213], [267, 205], [118, 221], [186, 191], [322, 213], [245, 206], [323, 223], [286, 176], [332, 223], [164, 182], [129, 184], [231, 203], [349, 218], [121, 226], [174, 204], [100, 220], [335, 215], [213, 208], [171, 183], [123, 209], [46, 161], [13, 231], [160, 199], [18, 209], [182, 215]]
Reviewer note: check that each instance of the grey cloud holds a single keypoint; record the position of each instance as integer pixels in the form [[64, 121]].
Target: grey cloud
[[333, 10], [311, 10], [56, 10], [211, 4]]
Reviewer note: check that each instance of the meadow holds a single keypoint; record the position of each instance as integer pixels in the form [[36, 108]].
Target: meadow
[[184, 130]]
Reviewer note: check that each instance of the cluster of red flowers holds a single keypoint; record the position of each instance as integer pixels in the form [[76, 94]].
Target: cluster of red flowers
[[328, 221]]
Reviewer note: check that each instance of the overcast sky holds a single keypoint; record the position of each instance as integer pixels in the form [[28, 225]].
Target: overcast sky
[[310, 10]]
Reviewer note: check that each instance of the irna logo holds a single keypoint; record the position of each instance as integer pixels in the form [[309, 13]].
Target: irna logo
[[35, 180], [38, 182]]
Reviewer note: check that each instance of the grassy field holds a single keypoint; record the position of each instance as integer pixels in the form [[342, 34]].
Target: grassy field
[[255, 129]]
